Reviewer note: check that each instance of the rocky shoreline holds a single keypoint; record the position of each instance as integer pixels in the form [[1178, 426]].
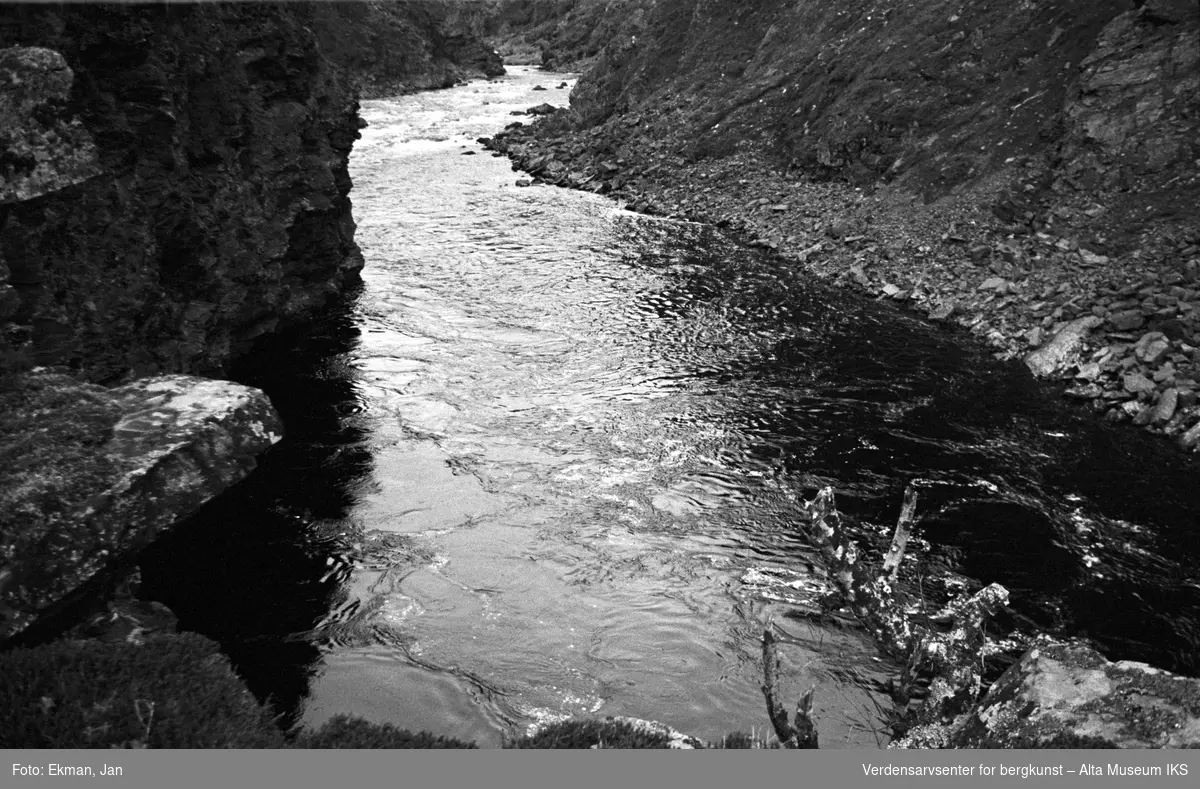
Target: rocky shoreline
[[173, 189], [1012, 262]]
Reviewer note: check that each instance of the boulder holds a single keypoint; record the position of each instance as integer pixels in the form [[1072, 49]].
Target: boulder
[[45, 149], [1191, 438], [1165, 408], [1084, 392], [943, 311], [89, 476], [1066, 695], [1138, 384], [1127, 320], [1089, 258], [1064, 348], [1152, 348]]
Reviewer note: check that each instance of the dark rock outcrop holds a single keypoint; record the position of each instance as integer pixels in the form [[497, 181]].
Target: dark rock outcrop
[[398, 47], [89, 476], [42, 151], [568, 35], [220, 208]]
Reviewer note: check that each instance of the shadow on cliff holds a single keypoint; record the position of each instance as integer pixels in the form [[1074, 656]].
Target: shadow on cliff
[[249, 570]]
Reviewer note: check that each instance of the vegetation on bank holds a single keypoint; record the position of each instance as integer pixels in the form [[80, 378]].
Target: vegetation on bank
[[169, 692], [166, 691], [179, 691]]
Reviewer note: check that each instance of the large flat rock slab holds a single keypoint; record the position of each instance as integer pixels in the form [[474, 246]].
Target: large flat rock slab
[[89, 475]]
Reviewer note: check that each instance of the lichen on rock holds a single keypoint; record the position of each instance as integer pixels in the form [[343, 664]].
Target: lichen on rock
[[1065, 694], [42, 149], [90, 475]]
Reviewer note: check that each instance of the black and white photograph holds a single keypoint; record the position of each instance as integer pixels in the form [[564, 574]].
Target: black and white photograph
[[602, 375]]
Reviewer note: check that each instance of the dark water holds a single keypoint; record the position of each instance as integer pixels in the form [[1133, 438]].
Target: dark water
[[548, 462]]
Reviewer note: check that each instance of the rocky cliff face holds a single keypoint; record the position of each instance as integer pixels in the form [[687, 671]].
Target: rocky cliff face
[[218, 208], [568, 34], [173, 186], [174, 179], [394, 47], [932, 94]]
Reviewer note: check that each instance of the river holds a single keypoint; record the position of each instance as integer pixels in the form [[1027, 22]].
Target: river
[[547, 462]]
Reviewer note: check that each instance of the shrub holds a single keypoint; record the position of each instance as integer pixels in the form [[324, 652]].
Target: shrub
[[174, 691], [591, 733], [343, 731]]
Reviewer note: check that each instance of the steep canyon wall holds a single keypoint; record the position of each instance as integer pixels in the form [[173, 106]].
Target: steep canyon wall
[[174, 176], [173, 188], [934, 95], [398, 46], [219, 209]]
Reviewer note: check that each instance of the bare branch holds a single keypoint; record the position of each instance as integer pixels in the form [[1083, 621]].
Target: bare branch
[[775, 709], [805, 725], [895, 554], [869, 597], [804, 733], [953, 660]]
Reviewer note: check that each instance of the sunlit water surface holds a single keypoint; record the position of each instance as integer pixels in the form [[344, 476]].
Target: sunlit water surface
[[548, 464]]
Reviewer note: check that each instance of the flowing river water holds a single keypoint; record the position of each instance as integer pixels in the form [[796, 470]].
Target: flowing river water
[[548, 462]]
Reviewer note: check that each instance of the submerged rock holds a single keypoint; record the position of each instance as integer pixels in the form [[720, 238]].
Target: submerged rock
[[1063, 349], [89, 475]]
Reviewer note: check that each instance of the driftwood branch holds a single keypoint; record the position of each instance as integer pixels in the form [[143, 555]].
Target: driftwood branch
[[895, 554], [953, 659], [803, 732], [867, 595], [803, 723]]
